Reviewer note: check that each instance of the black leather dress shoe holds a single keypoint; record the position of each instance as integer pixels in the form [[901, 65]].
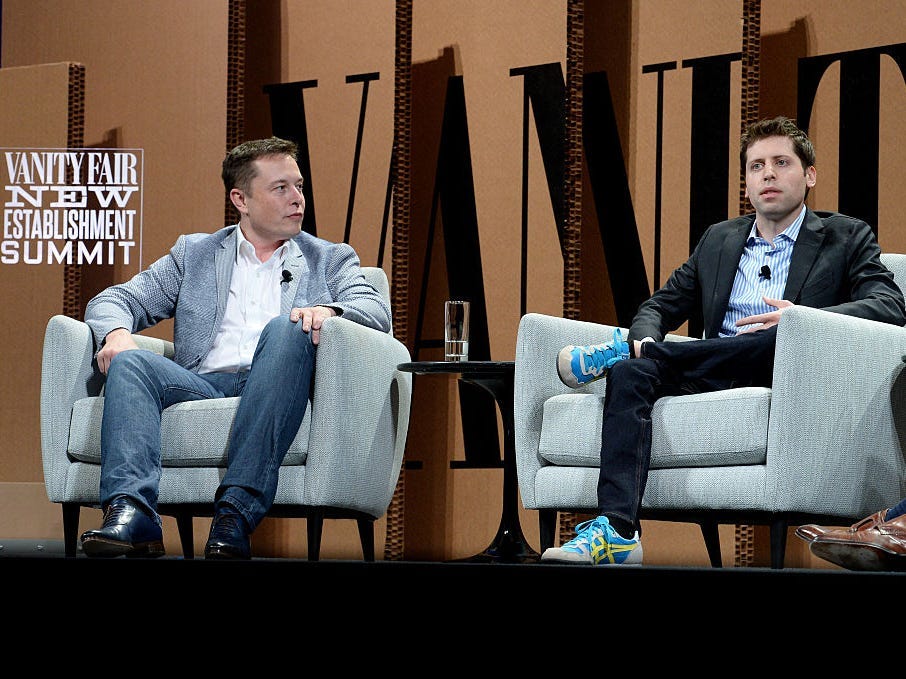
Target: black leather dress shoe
[[229, 537], [127, 531]]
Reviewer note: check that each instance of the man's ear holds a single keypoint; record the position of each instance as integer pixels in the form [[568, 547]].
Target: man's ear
[[811, 176], [237, 197]]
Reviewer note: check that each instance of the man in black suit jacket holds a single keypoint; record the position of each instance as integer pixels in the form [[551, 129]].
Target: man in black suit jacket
[[741, 276]]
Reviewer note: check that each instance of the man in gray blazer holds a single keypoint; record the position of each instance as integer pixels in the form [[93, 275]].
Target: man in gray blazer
[[741, 276], [248, 302]]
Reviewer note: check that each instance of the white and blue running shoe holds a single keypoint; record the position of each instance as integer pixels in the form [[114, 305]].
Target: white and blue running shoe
[[578, 366], [596, 542]]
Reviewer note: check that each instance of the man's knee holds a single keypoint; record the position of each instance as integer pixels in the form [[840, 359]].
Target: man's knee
[[282, 335], [622, 370], [133, 360], [278, 324]]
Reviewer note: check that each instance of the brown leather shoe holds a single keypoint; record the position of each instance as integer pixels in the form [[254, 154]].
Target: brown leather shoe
[[879, 548], [812, 531]]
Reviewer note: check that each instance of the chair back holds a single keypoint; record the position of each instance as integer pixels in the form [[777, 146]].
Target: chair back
[[897, 264], [378, 278]]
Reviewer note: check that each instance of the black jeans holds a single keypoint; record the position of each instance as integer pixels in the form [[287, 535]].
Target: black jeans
[[666, 369]]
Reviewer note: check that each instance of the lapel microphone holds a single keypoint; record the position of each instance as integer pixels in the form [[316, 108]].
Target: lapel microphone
[[287, 276], [765, 272]]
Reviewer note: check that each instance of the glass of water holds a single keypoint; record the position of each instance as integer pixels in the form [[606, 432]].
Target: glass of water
[[456, 330]]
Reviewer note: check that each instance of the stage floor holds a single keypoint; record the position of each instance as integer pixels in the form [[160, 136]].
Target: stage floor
[[429, 618], [402, 588]]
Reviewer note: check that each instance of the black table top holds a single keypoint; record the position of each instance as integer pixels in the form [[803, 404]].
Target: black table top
[[461, 367]]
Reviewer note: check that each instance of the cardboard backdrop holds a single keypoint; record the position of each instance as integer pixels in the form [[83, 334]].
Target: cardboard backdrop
[[479, 111]]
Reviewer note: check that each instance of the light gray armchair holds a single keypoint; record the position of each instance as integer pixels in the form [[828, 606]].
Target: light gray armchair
[[824, 444], [344, 462]]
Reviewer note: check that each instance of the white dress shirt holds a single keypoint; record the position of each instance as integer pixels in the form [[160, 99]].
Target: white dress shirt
[[254, 299]]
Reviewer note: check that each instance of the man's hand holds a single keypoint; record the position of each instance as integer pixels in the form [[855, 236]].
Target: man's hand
[[116, 341], [765, 320], [312, 318]]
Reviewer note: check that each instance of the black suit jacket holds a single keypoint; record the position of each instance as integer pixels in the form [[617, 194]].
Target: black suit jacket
[[835, 266]]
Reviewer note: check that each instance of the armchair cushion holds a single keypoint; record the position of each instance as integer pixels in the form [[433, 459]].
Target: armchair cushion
[[193, 434], [736, 434], [571, 429]]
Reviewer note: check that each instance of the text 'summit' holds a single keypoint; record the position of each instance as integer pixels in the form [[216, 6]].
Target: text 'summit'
[[70, 206]]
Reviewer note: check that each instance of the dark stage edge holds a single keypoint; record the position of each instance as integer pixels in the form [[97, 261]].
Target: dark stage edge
[[468, 596]]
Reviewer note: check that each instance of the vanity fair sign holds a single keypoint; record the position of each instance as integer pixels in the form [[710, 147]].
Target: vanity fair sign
[[71, 206]]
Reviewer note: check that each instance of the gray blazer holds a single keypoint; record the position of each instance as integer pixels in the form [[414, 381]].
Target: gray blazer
[[835, 266], [191, 285]]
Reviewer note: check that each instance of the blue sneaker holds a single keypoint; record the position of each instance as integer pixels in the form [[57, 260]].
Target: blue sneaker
[[581, 365], [596, 542]]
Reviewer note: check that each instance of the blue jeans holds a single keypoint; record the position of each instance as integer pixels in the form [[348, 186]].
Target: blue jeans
[[666, 369], [275, 393]]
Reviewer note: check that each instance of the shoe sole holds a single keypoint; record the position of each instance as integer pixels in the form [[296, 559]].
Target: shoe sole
[[99, 547], [566, 558], [224, 555], [565, 370], [634, 558], [809, 538], [565, 562], [858, 556]]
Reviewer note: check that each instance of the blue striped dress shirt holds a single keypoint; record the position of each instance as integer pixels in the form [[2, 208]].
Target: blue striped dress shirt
[[750, 284]]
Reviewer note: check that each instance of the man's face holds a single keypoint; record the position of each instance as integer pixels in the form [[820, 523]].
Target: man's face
[[274, 203], [776, 182]]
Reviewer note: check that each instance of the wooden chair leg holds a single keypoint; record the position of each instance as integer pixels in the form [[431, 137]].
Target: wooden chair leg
[[71, 512], [547, 527], [711, 534], [186, 535], [366, 536], [314, 524]]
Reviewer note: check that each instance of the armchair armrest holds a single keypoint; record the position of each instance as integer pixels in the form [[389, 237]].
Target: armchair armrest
[[69, 373], [538, 341], [360, 417], [155, 344], [838, 414]]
